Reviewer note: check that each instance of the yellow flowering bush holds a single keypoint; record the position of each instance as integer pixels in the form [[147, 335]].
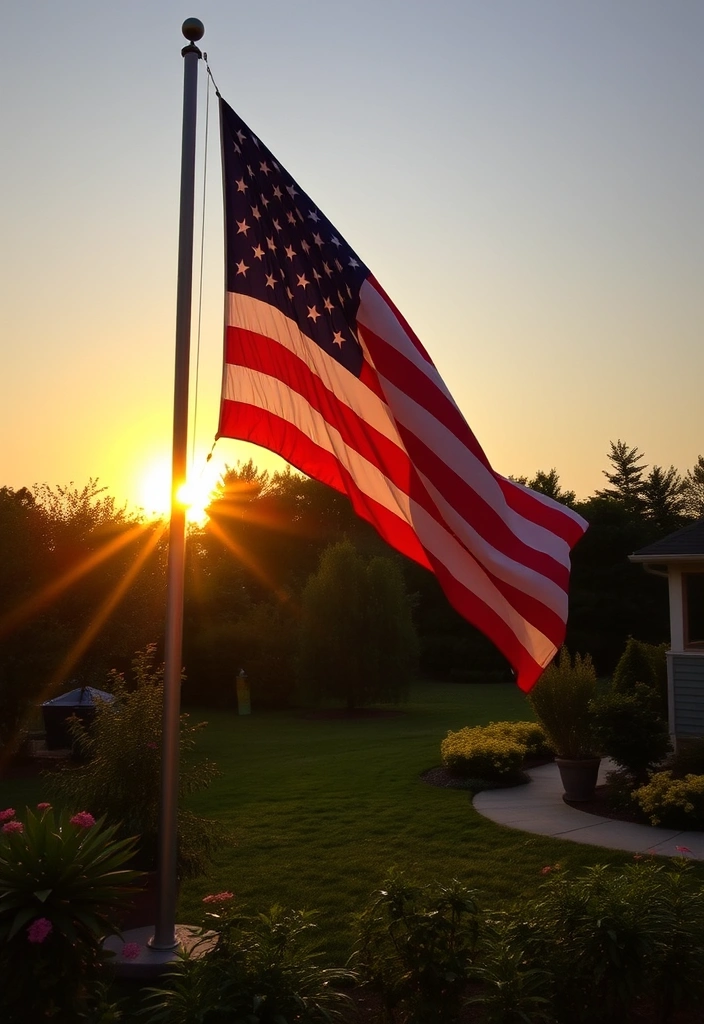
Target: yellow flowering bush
[[531, 735], [481, 754], [675, 803]]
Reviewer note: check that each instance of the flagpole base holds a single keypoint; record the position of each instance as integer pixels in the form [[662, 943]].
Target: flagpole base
[[147, 962]]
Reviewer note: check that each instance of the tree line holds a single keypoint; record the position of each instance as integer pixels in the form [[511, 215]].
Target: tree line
[[82, 581]]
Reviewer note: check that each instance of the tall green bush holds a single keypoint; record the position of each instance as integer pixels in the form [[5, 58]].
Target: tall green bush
[[119, 774], [357, 639], [629, 729]]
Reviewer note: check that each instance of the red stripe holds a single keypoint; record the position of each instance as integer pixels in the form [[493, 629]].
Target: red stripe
[[559, 522], [251, 423], [409, 378]]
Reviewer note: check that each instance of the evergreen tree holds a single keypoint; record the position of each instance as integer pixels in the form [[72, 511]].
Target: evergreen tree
[[549, 484], [626, 478], [663, 498], [693, 489]]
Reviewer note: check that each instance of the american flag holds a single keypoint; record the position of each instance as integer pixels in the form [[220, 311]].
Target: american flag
[[321, 368]]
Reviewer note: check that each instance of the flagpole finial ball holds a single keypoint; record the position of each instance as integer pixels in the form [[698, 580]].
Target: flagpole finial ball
[[193, 29]]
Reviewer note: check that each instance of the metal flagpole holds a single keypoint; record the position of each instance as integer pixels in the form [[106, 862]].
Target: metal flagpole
[[164, 937]]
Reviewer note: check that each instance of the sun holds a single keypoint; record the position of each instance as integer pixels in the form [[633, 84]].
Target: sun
[[154, 493]]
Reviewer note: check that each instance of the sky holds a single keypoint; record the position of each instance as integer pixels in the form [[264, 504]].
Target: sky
[[522, 176]]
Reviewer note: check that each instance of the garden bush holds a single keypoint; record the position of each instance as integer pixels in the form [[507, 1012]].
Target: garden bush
[[63, 888], [479, 753], [671, 802], [120, 771], [688, 759], [643, 663], [416, 947], [629, 729], [530, 735], [262, 969]]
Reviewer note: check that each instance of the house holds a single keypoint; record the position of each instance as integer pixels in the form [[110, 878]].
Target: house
[[679, 558]]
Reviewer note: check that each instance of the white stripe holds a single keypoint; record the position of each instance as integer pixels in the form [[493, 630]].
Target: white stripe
[[375, 313], [272, 395]]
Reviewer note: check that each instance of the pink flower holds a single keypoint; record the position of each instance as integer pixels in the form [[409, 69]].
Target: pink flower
[[39, 929], [83, 819], [131, 950], [13, 826], [8, 813], [546, 870], [218, 897], [43, 807], [637, 856], [683, 849]]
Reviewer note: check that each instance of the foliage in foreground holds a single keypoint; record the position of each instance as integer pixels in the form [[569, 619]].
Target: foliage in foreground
[[120, 769], [262, 970], [63, 887]]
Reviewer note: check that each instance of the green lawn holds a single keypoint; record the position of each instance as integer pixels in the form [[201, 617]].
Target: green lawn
[[321, 809]]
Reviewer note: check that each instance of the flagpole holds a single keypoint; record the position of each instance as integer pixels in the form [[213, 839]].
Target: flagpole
[[164, 937]]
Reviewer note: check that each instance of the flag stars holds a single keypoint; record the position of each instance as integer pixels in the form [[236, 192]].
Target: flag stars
[[328, 305], [250, 172], [242, 185], [353, 263], [336, 241], [338, 265], [265, 201], [318, 240], [337, 339], [241, 135], [264, 168], [291, 217], [327, 269], [271, 244], [242, 268], [255, 213], [302, 281], [312, 215], [289, 293], [242, 227], [292, 191], [290, 251], [313, 313], [278, 194], [258, 251], [276, 225], [316, 275], [270, 281], [305, 246]]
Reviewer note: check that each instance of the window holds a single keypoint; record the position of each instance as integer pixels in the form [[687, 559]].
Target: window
[[693, 583]]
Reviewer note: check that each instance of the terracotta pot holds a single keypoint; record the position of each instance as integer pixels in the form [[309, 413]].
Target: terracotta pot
[[579, 777]]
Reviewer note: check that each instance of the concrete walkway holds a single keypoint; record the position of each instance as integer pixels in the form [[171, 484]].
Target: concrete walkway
[[539, 808]]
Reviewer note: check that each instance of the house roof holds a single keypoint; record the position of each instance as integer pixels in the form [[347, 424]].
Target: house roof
[[685, 545]]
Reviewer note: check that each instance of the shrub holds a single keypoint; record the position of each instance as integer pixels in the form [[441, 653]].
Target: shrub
[[121, 771], [688, 759], [63, 887], [480, 754], [560, 700], [416, 947], [530, 735], [646, 664], [671, 802], [260, 969], [628, 727], [613, 939]]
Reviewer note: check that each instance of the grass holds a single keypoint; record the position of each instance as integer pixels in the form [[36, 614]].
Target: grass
[[321, 809]]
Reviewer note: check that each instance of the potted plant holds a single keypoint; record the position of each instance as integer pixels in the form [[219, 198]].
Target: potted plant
[[560, 700]]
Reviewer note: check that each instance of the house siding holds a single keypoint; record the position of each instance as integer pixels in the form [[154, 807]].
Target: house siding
[[687, 674]]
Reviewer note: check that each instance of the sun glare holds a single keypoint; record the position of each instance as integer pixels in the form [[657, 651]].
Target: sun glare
[[155, 493]]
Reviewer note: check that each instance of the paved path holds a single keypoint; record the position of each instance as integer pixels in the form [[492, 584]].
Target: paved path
[[538, 807]]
